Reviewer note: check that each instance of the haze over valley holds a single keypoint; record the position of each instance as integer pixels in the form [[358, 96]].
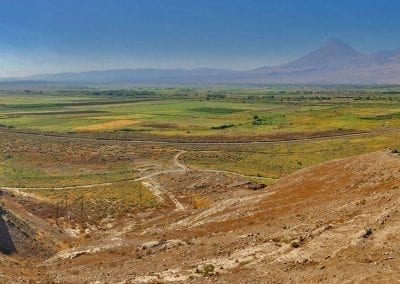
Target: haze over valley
[[199, 141], [335, 62]]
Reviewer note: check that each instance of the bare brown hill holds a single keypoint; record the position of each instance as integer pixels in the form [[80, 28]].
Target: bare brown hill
[[334, 222]]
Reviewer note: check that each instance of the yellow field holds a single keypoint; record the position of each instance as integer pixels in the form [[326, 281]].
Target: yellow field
[[108, 125]]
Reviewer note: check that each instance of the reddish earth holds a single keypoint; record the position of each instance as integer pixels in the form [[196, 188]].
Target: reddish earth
[[335, 222]]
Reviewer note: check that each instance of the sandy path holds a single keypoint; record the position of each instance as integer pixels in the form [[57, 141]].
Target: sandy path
[[157, 189]]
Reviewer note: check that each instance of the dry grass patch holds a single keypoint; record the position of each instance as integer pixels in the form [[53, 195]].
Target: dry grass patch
[[99, 202], [108, 125], [200, 201]]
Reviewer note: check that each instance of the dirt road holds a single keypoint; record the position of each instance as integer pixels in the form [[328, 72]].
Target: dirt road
[[148, 181], [165, 142], [157, 189]]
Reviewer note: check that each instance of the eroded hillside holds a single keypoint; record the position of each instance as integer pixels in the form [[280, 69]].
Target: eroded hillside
[[329, 222]]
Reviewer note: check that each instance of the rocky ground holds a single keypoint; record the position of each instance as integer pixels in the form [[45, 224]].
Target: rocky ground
[[335, 222]]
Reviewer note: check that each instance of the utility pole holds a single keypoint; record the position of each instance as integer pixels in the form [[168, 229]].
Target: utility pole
[[18, 175], [57, 213], [82, 207], [66, 205], [140, 196], [19, 183]]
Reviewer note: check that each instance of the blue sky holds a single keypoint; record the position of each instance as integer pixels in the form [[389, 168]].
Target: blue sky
[[49, 36]]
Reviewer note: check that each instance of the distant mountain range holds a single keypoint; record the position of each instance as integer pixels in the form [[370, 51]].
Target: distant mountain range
[[335, 62]]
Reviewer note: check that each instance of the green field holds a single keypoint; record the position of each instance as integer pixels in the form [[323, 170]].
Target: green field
[[197, 113], [272, 161], [370, 115]]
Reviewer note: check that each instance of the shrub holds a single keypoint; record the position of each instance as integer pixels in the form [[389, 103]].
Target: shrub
[[208, 270], [223, 126], [199, 201], [295, 244]]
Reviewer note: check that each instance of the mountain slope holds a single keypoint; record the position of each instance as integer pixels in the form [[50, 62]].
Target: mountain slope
[[335, 62], [149, 75], [333, 53]]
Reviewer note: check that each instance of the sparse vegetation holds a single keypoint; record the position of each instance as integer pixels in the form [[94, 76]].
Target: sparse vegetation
[[73, 166], [199, 201], [206, 271], [295, 244]]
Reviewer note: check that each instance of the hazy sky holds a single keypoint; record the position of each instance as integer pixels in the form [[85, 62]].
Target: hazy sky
[[48, 36]]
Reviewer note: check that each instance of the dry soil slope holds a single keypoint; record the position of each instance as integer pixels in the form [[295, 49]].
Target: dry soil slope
[[344, 215], [333, 222]]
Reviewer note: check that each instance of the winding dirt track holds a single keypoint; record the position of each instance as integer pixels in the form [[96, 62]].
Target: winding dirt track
[[146, 180], [157, 189]]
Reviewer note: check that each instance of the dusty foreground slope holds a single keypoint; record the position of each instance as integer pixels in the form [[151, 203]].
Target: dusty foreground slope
[[334, 222]]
